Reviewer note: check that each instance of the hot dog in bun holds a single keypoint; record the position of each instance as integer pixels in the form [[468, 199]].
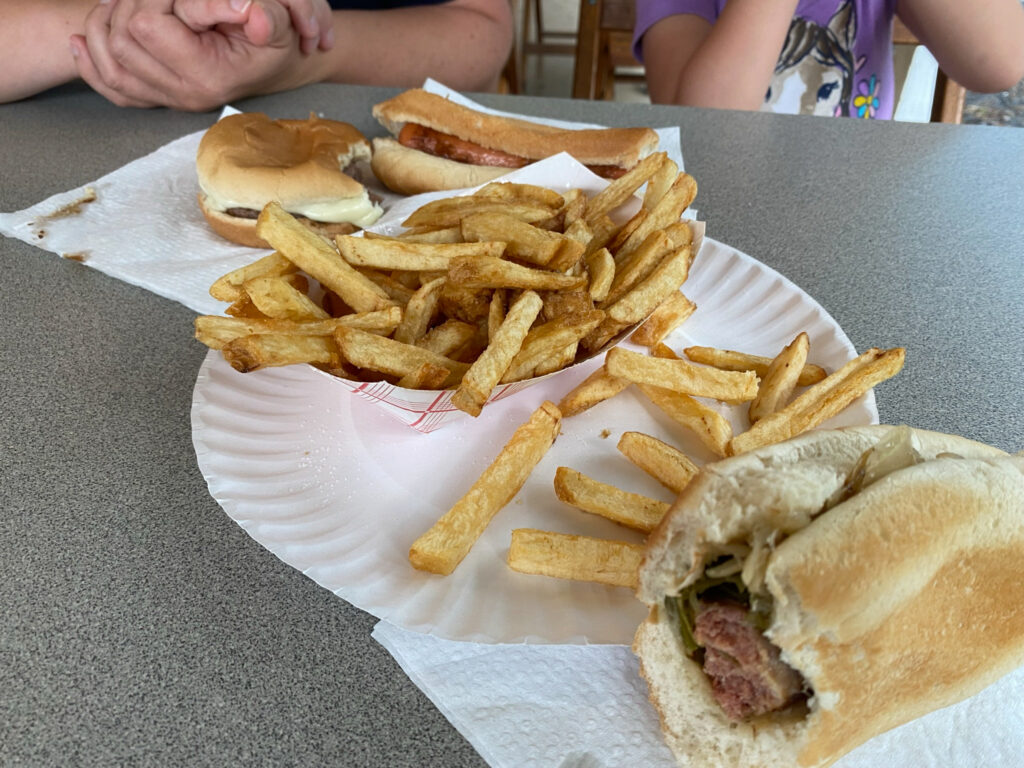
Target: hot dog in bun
[[809, 595], [246, 160], [443, 145]]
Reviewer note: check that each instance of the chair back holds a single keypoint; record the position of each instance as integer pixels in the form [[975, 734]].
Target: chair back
[[604, 41], [948, 101]]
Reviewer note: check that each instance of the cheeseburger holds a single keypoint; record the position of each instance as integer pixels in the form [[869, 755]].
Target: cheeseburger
[[809, 595], [247, 160]]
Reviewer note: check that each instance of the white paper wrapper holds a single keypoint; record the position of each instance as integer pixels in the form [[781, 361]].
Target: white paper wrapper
[[586, 707], [144, 227]]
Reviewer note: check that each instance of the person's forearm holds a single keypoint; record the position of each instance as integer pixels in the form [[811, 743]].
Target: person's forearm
[[979, 45], [463, 45], [732, 66], [34, 50]]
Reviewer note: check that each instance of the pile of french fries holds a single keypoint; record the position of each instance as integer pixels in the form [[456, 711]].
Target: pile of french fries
[[678, 386], [512, 282]]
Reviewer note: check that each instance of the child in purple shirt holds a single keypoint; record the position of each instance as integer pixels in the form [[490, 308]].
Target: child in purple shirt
[[821, 57]]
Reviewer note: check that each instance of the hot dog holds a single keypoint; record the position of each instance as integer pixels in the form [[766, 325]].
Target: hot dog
[[443, 145]]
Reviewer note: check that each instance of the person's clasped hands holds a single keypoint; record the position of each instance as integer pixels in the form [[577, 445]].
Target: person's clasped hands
[[198, 54]]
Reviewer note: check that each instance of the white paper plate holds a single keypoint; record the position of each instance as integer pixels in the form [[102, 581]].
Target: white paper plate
[[339, 489]]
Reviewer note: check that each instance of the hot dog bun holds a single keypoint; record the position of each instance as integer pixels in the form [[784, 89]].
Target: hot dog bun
[[410, 172], [903, 598], [246, 160], [619, 147]]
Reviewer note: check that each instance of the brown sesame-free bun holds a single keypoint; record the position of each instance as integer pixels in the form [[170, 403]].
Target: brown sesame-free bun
[[906, 597], [620, 147], [409, 171], [246, 160]]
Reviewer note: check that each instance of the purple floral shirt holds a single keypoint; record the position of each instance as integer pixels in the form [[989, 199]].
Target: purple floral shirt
[[837, 58]]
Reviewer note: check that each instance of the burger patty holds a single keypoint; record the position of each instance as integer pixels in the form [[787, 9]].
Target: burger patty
[[243, 213], [451, 147], [747, 676]]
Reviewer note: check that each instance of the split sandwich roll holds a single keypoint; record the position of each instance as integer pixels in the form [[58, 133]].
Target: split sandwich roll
[[812, 594], [247, 160], [442, 145]]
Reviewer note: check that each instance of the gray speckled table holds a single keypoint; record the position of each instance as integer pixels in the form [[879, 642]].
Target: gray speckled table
[[141, 626]]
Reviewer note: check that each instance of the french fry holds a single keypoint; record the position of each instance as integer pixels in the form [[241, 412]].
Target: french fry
[[681, 376], [484, 374], [243, 307], [449, 211], [447, 338], [646, 295], [728, 360], [666, 317], [316, 258], [215, 331], [420, 257], [488, 272], [496, 313], [823, 400], [780, 379], [626, 230], [442, 547], [265, 350], [574, 206], [601, 269], [640, 264], [427, 376], [419, 312], [445, 235], [622, 188], [665, 463], [276, 297], [376, 353], [601, 233], [397, 291], [668, 210], [522, 193], [596, 388], [557, 360], [713, 430], [580, 558], [460, 302], [524, 242], [602, 335], [660, 182], [630, 509], [229, 287], [547, 339]]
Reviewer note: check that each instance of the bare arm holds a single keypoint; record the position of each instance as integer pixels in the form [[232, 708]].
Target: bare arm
[[158, 58], [462, 43], [727, 65], [34, 52], [978, 44]]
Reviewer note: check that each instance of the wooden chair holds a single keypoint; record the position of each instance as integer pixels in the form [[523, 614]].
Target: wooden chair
[[948, 102], [604, 44]]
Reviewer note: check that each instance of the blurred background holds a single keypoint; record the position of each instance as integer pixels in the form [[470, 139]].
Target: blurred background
[[548, 66]]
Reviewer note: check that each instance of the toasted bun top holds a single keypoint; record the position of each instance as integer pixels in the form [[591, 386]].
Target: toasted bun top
[[623, 147], [778, 487], [247, 160], [903, 598]]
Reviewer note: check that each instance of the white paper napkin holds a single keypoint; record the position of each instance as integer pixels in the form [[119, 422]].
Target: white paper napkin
[[145, 226], [543, 706]]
